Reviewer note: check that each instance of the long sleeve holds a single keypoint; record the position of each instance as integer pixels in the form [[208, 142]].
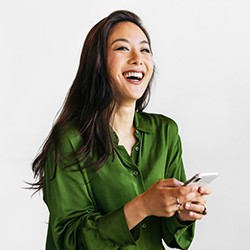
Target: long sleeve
[[174, 232], [74, 221], [86, 208]]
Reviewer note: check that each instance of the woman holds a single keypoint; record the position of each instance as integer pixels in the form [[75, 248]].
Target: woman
[[112, 174]]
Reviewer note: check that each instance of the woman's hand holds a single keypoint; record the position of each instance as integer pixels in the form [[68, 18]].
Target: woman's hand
[[163, 199], [195, 209]]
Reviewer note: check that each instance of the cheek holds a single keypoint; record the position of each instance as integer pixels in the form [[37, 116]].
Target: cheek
[[151, 70], [113, 65], [150, 64], [111, 69]]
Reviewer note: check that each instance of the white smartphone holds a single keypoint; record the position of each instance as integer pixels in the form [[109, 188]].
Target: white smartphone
[[201, 179]]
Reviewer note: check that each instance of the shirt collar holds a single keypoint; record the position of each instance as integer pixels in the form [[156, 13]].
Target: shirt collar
[[141, 122]]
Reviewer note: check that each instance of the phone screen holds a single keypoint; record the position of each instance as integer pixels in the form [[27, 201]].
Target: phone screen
[[201, 179]]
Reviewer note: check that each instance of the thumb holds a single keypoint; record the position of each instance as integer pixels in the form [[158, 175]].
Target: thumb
[[172, 182]]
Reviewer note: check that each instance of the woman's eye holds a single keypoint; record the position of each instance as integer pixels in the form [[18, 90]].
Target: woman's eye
[[146, 50], [122, 48]]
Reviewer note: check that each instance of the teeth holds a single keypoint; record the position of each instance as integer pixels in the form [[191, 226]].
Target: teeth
[[138, 75]]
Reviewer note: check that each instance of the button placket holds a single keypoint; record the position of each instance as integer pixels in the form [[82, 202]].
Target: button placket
[[137, 134], [135, 173]]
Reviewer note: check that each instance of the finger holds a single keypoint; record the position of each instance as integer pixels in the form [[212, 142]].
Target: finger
[[197, 208], [187, 215], [204, 190], [179, 183], [172, 182], [195, 216], [200, 200], [187, 193], [179, 205]]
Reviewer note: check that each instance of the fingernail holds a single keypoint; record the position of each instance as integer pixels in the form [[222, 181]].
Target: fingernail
[[187, 205]]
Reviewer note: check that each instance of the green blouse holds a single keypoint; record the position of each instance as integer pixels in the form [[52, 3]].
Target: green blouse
[[86, 209]]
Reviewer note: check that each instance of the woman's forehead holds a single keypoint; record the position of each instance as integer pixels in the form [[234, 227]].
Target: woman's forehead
[[126, 31]]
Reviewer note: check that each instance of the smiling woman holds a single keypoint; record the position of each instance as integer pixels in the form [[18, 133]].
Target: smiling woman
[[130, 62], [112, 175]]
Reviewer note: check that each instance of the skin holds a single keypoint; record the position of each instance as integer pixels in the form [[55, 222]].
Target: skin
[[128, 51]]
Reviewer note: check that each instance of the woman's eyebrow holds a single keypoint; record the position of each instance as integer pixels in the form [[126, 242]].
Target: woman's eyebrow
[[126, 41]]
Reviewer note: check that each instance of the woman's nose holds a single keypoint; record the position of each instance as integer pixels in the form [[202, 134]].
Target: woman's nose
[[135, 58]]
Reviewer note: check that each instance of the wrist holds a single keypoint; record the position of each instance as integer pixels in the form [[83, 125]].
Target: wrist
[[135, 211]]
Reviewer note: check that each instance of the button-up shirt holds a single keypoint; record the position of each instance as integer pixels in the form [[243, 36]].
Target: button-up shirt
[[86, 207]]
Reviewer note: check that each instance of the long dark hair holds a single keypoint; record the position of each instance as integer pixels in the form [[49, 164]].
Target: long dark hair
[[90, 100]]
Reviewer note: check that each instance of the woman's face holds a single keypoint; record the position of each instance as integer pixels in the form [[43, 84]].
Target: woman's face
[[129, 61]]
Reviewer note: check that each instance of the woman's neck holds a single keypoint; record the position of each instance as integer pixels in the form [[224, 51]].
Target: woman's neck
[[122, 118], [122, 122]]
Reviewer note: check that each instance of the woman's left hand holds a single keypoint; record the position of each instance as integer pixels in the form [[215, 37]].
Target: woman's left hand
[[195, 209]]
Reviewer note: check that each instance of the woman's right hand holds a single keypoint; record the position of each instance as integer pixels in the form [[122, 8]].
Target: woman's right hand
[[161, 200], [164, 197]]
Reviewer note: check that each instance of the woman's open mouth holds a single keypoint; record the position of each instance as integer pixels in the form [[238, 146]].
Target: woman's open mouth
[[134, 76]]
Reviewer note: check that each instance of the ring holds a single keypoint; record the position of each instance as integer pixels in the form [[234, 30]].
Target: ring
[[204, 212], [178, 203]]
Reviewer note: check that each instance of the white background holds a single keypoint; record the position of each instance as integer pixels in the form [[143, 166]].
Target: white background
[[202, 54]]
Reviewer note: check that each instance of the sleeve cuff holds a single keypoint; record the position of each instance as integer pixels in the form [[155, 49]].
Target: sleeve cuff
[[182, 232], [175, 224], [113, 228]]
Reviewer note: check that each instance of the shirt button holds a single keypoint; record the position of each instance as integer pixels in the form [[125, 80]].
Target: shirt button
[[135, 173], [144, 225], [137, 148]]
